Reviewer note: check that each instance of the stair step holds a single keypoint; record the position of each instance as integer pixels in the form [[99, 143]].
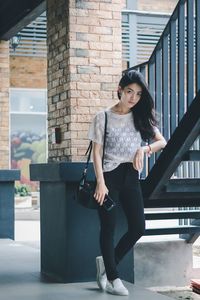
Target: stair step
[[171, 202], [177, 195], [173, 230], [192, 155], [176, 214], [190, 185]]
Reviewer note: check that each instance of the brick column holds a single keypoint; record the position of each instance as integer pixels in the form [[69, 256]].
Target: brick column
[[84, 67], [4, 104]]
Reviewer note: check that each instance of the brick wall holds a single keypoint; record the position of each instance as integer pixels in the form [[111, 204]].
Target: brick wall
[[4, 105], [157, 6], [84, 68], [28, 72]]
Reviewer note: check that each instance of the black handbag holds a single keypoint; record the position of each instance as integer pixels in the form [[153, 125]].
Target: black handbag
[[85, 193]]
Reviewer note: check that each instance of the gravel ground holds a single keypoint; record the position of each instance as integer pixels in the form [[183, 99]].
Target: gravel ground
[[196, 250], [178, 293], [181, 295]]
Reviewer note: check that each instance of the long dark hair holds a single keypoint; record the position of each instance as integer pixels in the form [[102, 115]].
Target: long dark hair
[[143, 111]]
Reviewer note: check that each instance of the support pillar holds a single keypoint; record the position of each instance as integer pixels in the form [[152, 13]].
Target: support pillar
[[84, 68], [4, 104]]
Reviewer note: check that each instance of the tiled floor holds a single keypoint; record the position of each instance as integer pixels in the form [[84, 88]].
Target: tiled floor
[[20, 279]]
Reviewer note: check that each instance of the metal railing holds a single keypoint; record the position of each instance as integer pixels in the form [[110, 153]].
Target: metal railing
[[173, 75]]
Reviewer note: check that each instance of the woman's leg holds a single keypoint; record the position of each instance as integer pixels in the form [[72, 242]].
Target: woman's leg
[[107, 223], [132, 203]]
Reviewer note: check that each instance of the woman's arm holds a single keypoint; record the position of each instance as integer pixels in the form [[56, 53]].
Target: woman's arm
[[101, 188], [159, 143]]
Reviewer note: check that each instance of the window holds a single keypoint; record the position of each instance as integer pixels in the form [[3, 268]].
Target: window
[[140, 34], [28, 130]]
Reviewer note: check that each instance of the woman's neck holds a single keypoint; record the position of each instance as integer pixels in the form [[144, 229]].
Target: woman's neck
[[120, 109]]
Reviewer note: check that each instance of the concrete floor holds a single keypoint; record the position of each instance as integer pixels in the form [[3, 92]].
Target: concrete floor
[[20, 279], [27, 247]]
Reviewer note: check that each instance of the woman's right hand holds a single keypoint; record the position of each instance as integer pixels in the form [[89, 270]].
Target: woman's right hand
[[100, 192]]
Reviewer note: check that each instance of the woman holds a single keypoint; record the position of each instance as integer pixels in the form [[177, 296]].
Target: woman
[[129, 122]]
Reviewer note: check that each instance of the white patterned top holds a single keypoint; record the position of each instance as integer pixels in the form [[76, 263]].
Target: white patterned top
[[122, 139]]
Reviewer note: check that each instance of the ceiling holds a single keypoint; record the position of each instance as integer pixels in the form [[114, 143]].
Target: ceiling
[[16, 14]]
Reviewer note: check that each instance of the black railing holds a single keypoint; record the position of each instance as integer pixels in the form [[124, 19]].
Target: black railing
[[173, 71]]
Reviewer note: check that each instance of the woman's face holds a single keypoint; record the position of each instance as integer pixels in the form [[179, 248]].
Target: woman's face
[[130, 95]]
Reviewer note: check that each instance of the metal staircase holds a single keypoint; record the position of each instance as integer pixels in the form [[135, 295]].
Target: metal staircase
[[171, 178]]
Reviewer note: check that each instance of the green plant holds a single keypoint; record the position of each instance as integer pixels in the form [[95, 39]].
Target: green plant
[[22, 190]]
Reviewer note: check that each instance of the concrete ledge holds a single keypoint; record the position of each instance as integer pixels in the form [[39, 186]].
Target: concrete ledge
[[61, 171], [9, 175]]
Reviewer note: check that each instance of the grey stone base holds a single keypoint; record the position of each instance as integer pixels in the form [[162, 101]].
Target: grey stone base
[[167, 263]]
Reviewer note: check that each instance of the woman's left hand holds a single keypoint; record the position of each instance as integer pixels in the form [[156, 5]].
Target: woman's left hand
[[138, 160]]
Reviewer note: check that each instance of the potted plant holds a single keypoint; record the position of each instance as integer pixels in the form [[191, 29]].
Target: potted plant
[[23, 197]]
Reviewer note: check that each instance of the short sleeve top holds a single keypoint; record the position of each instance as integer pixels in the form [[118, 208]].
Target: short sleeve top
[[122, 139]]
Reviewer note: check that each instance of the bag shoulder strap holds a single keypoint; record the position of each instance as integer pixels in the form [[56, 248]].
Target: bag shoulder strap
[[104, 137], [89, 149]]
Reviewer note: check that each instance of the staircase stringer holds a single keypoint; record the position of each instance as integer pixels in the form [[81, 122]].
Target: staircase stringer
[[180, 142]]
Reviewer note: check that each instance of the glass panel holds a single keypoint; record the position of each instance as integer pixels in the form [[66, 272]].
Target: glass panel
[[28, 101], [28, 131]]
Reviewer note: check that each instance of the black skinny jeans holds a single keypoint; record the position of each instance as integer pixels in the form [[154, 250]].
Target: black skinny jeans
[[123, 185]]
